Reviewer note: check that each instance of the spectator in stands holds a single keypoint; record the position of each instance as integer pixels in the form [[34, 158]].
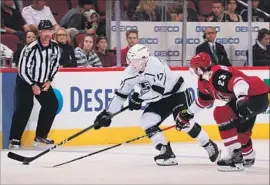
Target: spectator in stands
[[5, 55], [265, 6], [68, 58], [38, 11], [132, 39], [131, 9], [12, 20], [256, 15], [85, 54], [147, 11], [18, 4], [2, 29], [261, 50], [214, 49], [231, 14], [92, 22], [217, 14], [107, 59], [30, 36], [175, 12], [74, 20], [123, 10]]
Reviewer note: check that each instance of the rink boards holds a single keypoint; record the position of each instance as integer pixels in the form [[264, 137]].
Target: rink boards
[[83, 93]]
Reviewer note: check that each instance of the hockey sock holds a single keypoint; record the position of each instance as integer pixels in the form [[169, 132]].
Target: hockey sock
[[227, 129], [196, 131], [156, 136], [246, 143]]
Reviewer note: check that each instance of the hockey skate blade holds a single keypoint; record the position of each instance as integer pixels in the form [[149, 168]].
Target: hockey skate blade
[[238, 167], [249, 163], [168, 162]]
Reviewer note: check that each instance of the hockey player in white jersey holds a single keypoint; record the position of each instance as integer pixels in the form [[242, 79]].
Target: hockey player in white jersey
[[165, 94]]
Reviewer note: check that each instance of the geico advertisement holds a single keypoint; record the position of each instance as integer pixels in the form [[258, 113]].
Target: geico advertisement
[[82, 96], [165, 38]]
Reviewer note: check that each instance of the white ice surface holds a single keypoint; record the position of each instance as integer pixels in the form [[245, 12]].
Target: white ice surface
[[131, 164]]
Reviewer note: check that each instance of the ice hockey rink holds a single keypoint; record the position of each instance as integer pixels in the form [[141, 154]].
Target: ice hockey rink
[[131, 164]]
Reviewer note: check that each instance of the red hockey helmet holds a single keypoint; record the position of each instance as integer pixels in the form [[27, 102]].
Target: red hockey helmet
[[200, 63]]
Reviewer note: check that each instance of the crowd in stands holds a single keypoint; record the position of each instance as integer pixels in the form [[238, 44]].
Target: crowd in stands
[[80, 27]]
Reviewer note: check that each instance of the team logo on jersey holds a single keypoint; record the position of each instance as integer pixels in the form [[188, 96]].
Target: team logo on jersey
[[145, 87], [52, 57], [27, 50]]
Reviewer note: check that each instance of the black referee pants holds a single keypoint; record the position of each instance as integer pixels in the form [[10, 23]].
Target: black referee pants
[[23, 109]]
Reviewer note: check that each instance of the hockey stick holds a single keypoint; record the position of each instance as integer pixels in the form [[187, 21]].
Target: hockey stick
[[111, 147], [27, 160]]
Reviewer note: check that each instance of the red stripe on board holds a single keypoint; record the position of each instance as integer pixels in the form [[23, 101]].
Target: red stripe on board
[[12, 70]]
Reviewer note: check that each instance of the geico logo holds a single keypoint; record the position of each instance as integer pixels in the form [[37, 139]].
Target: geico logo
[[228, 40], [124, 28], [202, 28], [167, 53], [148, 41], [245, 29], [240, 52], [188, 41], [166, 28]]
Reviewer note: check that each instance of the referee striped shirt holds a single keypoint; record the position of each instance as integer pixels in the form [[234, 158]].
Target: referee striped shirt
[[38, 64]]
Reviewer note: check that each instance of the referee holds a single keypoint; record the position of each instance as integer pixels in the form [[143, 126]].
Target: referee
[[38, 64]]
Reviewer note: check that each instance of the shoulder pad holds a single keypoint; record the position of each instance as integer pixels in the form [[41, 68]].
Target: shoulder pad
[[54, 41], [219, 67], [220, 80], [32, 44]]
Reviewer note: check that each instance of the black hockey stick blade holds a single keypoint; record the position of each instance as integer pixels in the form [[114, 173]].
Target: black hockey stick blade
[[27, 160], [16, 157], [108, 148], [24, 159]]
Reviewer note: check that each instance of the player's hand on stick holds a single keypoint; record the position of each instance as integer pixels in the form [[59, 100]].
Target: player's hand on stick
[[183, 118], [103, 120], [135, 103], [242, 107]]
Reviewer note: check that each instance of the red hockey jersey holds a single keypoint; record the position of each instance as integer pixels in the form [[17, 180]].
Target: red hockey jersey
[[222, 85]]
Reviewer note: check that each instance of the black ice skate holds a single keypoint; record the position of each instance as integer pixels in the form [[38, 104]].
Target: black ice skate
[[212, 150], [234, 162], [14, 144], [249, 160], [166, 156], [39, 141]]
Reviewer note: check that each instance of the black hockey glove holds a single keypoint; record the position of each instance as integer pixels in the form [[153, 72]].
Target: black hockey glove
[[135, 103], [103, 120], [242, 105], [183, 118]]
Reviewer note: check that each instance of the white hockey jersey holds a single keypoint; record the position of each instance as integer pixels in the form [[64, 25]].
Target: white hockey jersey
[[157, 81]]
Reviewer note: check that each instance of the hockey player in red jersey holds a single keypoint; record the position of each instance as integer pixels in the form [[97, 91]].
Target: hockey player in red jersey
[[246, 97]]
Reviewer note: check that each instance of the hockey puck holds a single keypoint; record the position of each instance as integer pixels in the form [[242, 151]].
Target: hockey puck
[[25, 163]]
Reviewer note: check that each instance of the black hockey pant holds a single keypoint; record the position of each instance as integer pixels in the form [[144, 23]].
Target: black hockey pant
[[24, 104]]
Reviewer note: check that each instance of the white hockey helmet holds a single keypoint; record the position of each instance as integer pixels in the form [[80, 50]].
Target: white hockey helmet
[[137, 57]]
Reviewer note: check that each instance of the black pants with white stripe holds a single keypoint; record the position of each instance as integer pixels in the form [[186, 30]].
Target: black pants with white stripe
[[23, 109], [170, 105]]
